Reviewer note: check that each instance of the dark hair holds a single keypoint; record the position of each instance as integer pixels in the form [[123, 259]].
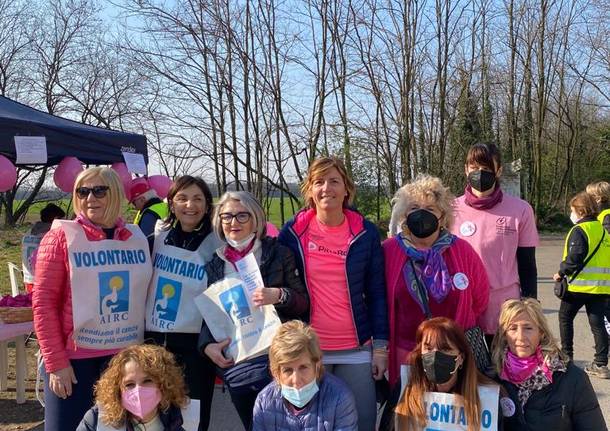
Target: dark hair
[[484, 155], [50, 213], [182, 183]]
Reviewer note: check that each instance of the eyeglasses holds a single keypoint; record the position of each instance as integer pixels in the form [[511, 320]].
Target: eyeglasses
[[242, 217], [98, 191]]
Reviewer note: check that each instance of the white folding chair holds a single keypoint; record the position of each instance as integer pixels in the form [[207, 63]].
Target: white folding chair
[[16, 276]]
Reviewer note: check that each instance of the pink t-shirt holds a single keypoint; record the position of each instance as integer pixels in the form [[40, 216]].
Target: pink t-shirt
[[331, 310], [495, 235]]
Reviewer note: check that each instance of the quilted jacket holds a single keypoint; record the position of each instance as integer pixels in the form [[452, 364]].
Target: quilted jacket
[[52, 297], [333, 408], [363, 267]]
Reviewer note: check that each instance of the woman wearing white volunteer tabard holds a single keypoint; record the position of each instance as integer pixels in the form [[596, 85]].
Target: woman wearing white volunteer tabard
[[81, 295], [184, 243]]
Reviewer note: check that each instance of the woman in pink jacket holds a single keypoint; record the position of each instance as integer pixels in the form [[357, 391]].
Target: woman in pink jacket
[[425, 256], [90, 287]]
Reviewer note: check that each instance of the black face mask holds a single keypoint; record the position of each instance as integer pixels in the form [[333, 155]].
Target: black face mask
[[422, 223], [438, 366], [481, 180]]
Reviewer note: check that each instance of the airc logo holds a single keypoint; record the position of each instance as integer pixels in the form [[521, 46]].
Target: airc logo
[[235, 304], [114, 296], [167, 301]]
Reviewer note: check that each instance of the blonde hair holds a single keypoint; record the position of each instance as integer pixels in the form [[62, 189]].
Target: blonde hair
[[510, 310], [584, 204], [114, 198], [600, 192], [290, 341], [321, 167], [422, 188], [154, 361], [250, 203]]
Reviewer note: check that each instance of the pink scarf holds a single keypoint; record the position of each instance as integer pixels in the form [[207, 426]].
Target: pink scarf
[[516, 370], [233, 255], [483, 203]]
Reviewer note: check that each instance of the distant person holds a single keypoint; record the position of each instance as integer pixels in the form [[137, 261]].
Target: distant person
[[142, 389], [150, 207], [31, 241], [502, 230], [302, 396], [600, 192], [548, 391], [586, 265]]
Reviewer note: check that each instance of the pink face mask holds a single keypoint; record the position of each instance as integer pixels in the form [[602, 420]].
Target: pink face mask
[[517, 369], [140, 401]]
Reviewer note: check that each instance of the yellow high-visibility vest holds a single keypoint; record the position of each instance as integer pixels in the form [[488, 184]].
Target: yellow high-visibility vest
[[595, 276], [161, 209]]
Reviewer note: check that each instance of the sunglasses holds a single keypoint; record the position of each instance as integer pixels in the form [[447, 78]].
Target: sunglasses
[[98, 191], [227, 218]]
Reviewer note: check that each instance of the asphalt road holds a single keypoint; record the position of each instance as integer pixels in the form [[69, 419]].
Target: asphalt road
[[548, 256]]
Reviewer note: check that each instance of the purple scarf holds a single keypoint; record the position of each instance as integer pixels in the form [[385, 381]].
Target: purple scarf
[[430, 269], [516, 370], [483, 203]]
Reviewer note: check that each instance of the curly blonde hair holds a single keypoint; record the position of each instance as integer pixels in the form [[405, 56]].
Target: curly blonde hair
[[291, 340], [422, 188], [510, 310], [156, 362]]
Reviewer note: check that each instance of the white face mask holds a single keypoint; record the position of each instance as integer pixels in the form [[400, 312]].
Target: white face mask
[[574, 217], [240, 245]]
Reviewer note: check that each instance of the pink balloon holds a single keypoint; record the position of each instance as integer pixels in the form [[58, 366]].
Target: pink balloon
[[272, 230], [161, 184], [66, 172], [121, 169], [9, 174]]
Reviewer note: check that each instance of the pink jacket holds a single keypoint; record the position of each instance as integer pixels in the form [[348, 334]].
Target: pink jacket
[[472, 301], [52, 297]]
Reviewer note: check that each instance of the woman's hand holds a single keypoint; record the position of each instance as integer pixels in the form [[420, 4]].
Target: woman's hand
[[557, 277], [60, 382], [214, 352], [266, 296], [379, 363]]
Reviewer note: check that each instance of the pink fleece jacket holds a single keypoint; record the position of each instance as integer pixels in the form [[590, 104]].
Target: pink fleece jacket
[[52, 297], [471, 301]]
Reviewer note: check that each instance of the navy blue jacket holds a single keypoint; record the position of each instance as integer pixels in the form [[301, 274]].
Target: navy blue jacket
[[364, 269]]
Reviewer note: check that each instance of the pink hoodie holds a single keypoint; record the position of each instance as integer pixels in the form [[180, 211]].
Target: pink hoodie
[[52, 298]]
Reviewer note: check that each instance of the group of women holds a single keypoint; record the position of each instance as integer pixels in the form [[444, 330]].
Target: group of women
[[450, 264]]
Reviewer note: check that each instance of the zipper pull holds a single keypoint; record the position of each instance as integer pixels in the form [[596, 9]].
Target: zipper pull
[[563, 411]]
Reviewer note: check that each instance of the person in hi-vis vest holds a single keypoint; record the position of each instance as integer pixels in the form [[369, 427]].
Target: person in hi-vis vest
[[183, 243], [600, 192], [142, 389], [150, 207], [586, 265], [89, 292]]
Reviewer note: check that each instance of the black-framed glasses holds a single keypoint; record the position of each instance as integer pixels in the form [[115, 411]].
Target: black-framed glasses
[[98, 191], [242, 217]]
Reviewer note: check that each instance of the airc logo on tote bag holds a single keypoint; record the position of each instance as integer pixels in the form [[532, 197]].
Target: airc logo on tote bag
[[114, 296], [235, 304], [167, 301]]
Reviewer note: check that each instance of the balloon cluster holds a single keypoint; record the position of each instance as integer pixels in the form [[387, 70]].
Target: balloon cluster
[[69, 168], [8, 178]]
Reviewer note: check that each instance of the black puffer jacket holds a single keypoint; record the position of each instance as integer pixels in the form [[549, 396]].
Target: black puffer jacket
[[278, 269], [567, 404], [171, 420]]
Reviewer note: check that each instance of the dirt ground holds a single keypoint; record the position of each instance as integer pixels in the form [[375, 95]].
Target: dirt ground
[[28, 416]]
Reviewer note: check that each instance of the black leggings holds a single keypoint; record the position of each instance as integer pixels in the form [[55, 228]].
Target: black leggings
[[596, 308]]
